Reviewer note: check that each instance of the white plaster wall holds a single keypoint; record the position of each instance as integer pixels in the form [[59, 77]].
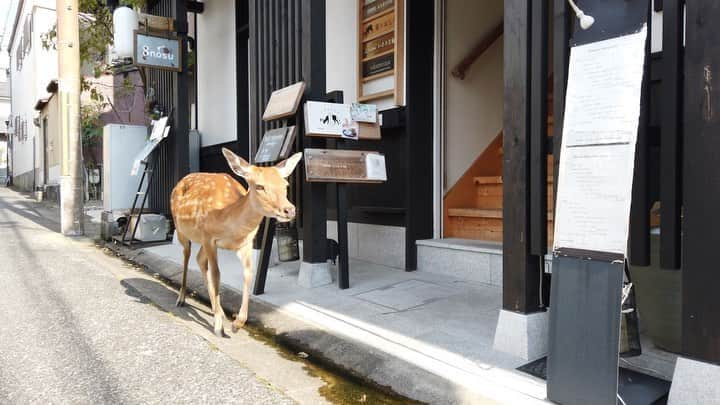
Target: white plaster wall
[[217, 114], [341, 53], [474, 106], [28, 85]]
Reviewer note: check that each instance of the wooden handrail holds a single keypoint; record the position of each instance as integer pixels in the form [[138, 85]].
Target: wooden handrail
[[479, 49]]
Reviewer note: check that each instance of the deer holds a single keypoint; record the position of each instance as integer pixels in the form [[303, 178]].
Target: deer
[[216, 211]]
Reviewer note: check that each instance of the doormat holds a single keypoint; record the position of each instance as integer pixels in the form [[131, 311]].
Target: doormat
[[633, 387]]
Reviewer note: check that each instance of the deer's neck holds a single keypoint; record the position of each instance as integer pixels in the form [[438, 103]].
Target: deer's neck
[[244, 216]]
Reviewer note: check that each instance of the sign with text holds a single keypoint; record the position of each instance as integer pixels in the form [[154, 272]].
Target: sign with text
[[377, 27], [344, 166], [372, 8], [157, 51], [598, 145], [380, 50]]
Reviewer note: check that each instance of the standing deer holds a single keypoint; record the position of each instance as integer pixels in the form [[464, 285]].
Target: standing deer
[[215, 210]]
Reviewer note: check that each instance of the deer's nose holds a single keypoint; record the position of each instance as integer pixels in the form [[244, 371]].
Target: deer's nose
[[289, 211]]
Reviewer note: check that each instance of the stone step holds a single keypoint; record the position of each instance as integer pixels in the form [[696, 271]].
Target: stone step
[[472, 260]]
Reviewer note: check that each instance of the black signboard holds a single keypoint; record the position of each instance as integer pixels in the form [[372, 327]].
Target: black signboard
[[276, 145], [378, 65]]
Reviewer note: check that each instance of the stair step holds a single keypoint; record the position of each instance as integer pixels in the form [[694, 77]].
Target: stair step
[[496, 213], [498, 180], [488, 180], [475, 212]]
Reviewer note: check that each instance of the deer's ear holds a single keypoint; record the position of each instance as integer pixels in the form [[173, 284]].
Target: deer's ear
[[287, 166], [237, 164]]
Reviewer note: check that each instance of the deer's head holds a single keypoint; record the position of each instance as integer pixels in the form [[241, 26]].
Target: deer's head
[[267, 187]]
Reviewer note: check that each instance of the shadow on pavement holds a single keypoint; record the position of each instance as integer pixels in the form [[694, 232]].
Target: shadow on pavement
[[164, 299]]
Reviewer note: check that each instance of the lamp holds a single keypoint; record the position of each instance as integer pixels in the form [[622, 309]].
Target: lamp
[[586, 21]]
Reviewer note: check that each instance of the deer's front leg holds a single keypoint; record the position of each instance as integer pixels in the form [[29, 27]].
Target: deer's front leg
[[213, 283], [245, 256]]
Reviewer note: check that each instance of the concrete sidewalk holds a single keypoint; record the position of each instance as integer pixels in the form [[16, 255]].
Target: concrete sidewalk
[[425, 336]]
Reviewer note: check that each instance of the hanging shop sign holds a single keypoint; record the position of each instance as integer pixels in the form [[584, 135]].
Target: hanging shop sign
[[157, 51], [344, 166], [380, 50], [149, 22]]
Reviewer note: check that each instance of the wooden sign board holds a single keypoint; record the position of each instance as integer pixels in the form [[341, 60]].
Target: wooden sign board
[[276, 145], [155, 23], [284, 102], [377, 27], [330, 119], [344, 166]]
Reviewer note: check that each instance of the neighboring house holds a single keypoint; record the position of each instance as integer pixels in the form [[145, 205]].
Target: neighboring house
[[31, 69], [4, 116]]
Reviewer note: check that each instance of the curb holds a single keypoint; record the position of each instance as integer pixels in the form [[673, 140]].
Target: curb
[[349, 357]]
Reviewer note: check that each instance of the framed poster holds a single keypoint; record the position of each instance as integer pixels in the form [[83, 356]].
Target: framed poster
[[380, 50], [157, 51]]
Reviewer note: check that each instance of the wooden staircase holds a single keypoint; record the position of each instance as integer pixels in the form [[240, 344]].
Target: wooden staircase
[[483, 220], [473, 207]]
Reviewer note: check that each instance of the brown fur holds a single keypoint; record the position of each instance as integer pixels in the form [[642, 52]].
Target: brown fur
[[216, 211]]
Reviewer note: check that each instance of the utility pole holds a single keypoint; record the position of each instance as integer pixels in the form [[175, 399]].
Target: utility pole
[[68, 46]]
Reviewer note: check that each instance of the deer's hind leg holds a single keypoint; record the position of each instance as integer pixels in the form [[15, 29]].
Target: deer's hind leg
[[185, 242]]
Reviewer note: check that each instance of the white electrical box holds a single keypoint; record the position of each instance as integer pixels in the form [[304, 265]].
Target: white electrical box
[[152, 227], [121, 143]]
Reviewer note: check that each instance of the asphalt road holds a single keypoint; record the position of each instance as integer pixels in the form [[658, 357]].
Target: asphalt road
[[72, 331]]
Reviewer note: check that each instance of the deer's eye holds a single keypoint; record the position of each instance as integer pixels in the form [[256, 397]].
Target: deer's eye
[[259, 187]]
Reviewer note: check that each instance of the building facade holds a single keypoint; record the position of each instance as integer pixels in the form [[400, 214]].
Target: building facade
[[471, 130], [32, 67]]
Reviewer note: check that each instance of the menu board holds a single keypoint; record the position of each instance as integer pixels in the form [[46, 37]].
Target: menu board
[[380, 49], [276, 145], [598, 145]]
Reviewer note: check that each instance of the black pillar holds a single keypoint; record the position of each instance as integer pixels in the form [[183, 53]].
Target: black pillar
[[521, 269], [419, 140], [181, 101], [701, 183], [314, 195]]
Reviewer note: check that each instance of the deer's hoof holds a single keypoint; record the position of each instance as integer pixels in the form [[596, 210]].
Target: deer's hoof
[[220, 333], [180, 302], [237, 325]]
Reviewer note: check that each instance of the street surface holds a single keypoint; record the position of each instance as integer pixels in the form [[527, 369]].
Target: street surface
[[76, 327]]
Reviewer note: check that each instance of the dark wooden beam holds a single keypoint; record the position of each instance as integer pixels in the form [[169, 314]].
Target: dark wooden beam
[[198, 7], [671, 134], [242, 79], [639, 235], [181, 100], [561, 57], [419, 136], [701, 177], [521, 270], [538, 126], [314, 197]]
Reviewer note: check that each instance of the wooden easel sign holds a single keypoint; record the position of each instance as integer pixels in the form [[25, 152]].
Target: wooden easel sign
[[344, 166], [284, 102]]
